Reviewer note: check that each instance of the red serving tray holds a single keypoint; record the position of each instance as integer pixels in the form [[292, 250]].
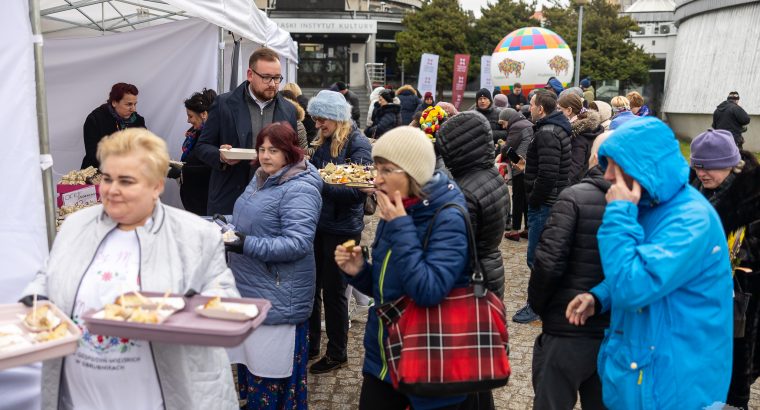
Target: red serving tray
[[185, 326], [38, 351]]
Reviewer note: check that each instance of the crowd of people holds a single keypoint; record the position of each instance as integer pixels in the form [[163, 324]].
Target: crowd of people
[[636, 258]]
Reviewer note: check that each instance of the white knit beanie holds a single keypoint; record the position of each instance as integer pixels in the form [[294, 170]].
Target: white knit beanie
[[410, 149]]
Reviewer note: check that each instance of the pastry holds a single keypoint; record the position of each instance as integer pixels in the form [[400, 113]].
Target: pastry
[[141, 315], [214, 303], [349, 245], [60, 331]]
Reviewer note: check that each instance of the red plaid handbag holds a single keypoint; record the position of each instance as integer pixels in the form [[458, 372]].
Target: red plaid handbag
[[458, 347]]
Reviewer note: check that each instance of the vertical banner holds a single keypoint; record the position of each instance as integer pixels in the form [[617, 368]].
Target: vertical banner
[[459, 80], [428, 74], [485, 73]]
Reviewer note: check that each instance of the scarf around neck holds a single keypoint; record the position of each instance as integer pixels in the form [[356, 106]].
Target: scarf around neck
[[191, 137], [121, 123]]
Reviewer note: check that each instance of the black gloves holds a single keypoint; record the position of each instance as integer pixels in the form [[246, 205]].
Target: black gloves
[[220, 217], [28, 300], [174, 171], [236, 246]]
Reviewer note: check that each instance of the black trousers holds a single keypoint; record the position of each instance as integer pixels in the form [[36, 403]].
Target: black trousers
[[564, 367], [519, 202], [744, 370], [379, 395], [330, 289]]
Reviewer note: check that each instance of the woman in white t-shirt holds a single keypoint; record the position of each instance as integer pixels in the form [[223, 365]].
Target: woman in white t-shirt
[[134, 242]]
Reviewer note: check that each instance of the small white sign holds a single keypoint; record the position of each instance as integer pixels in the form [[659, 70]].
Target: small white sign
[[485, 73], [82, 196], [428, 74]]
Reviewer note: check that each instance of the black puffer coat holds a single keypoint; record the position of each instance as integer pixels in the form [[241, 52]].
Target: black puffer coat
[[585, 131], [465, 143], [732, 117], [547, 167], [409, 103], [567, 257], [384, 118], [492, 115], [520, 132]]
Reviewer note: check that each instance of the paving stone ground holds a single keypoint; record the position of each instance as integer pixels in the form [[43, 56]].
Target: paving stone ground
[[340, 390]]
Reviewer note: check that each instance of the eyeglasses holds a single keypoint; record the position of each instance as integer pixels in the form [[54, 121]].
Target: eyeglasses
[[267, 79], [384, 172], [318, 119]]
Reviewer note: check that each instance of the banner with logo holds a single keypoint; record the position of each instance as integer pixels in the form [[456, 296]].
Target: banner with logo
[[485, 73], [428, 74], [461, 62]]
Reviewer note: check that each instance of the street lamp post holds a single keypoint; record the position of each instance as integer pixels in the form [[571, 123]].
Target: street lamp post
[[580, 3]]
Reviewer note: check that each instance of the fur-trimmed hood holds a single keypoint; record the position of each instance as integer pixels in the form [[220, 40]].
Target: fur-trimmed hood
[[408, 88], [589, 126]]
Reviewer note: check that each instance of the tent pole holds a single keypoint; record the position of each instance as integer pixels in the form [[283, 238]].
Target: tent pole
[[42, 120], [220, 75]]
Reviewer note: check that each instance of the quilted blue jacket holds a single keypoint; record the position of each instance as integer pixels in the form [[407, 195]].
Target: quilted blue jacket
[[667, 282], [343, 208], [279, 215], [400, 267]]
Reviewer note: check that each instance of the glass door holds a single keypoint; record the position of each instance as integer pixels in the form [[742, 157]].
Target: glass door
[[321, 65]]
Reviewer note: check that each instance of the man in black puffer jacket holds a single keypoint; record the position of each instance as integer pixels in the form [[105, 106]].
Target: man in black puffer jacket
[[466, 145], [568, 264], [547, 172], [484, 105]]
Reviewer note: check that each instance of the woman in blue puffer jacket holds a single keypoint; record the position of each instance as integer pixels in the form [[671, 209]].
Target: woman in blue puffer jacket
[[276, 220], [409, 193], [342, 219]]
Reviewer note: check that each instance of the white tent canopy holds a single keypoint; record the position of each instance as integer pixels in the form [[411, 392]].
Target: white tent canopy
[[66, 18]]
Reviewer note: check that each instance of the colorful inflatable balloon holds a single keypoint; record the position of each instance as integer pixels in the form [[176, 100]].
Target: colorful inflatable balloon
[[530, 56]]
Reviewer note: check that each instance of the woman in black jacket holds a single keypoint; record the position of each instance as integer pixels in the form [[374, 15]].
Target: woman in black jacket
[[118, 113], [730, 179], [466, 145], [385, 117], [193, 189], [484, 105], [519, 133]]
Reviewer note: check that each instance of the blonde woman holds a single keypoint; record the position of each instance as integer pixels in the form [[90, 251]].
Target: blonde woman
[[134, 242], [621, 109], [338, 141]]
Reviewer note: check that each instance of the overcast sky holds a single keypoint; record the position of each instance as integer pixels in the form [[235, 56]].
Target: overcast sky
[[475, 5]]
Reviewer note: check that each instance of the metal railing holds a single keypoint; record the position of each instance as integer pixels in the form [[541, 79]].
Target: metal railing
[[375, 73]]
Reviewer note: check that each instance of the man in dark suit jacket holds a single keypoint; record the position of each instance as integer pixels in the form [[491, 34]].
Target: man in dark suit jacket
[[234, 121]]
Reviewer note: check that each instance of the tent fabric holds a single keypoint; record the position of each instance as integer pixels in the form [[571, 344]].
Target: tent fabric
[[239, 16], [167, 63], [244, 18], [23, 240]]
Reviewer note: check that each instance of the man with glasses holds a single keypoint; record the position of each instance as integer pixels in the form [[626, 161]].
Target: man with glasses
[[234, 121]]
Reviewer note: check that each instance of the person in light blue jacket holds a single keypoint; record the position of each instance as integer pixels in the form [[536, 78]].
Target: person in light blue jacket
[[667, 279], [276, 220]]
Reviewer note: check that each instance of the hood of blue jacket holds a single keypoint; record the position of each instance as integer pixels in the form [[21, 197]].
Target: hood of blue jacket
[[438, 193], [622, 118], [558, 119], [647, 150]]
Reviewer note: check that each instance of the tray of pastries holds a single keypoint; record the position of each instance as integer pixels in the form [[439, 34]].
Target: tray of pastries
[[350, 175], [180, 323], [29, 335]]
